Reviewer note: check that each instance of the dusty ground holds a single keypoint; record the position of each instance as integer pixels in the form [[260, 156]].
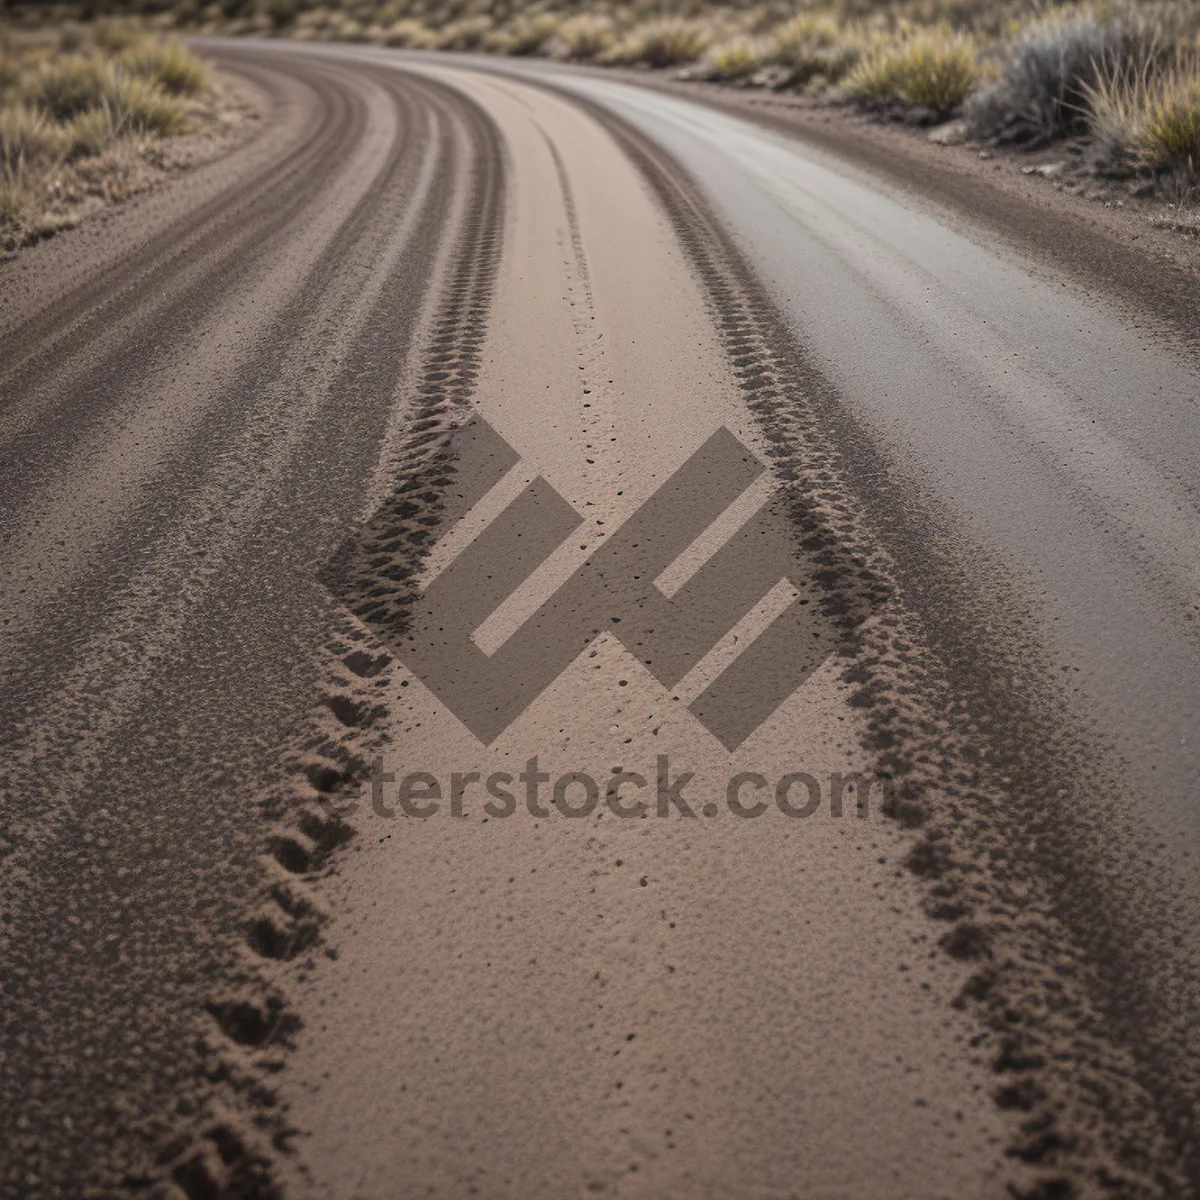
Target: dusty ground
[[667, 971], [217, 390], [222, 118]]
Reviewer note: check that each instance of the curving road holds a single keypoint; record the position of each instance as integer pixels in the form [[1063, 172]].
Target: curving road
[[228, 511]]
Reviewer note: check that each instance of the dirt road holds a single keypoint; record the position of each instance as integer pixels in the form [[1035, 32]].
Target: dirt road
[[559, 642]]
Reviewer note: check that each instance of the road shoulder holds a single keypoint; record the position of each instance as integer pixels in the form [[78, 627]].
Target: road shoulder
[[1121, 251]]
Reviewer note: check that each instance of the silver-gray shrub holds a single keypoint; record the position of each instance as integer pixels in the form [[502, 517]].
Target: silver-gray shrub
[[1040, 93]]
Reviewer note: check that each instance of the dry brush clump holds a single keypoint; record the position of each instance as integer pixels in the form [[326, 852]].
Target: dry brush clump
[[68, 104], [1044, 76], [931, 68], [530, 35], [737, 58], [167, 63], [1149, 113], [668, 42], [469, 33], [1124, 75], [407, 34], [584, 37], [815, 48]]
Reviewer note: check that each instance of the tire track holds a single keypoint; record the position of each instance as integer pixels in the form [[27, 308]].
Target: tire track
[[52, 325], [154, 697], [107, 345], [1070, 1036], [451, 1085], [162, 690], [982, 776]]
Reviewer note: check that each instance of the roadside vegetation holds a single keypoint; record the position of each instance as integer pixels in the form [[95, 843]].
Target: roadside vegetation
[[80, 110], [1117, 79]]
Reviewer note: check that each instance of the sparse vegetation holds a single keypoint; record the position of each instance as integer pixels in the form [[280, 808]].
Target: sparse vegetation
[[167, 63], [409, 34], [468, 34], [737, 58], [69, 102], [670, 42], [530, 34], [1046, 71], [931, 68], [1148, 113], [584, 37], [1122, 73], [815, 49]]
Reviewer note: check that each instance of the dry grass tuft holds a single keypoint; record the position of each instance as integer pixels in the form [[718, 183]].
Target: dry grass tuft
[[797, 38], [669, 42], [67, 102], [933, 68], [530, 35], [17, 200], [1149, 114], [140, 106], [409, 34], [470, 33], [91, 133], [169, 64], [112, 36], [28, 137], [180, 71], [737, 58], [63, 87], [813, 47], [584, 37]]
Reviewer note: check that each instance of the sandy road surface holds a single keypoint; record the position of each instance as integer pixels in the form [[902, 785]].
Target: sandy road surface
[[976, 991], [196, 396]]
